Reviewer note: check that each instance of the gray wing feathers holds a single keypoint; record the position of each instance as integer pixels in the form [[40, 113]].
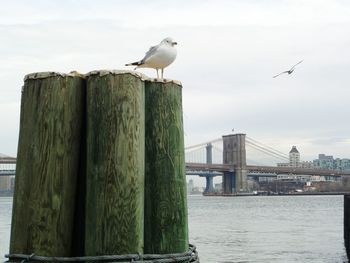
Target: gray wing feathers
[[297, 64], [280, 74], [150, 53]]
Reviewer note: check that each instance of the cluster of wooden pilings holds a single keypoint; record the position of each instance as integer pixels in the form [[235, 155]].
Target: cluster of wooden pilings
[[100, 166], [347, 224]]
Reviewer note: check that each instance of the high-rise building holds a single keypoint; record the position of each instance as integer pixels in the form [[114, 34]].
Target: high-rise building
[[324, 161], [294, 157], [294, 160], [345, 164], [328, 162]]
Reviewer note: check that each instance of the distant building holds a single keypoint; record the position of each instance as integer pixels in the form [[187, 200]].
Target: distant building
[[294, 160], [6, 183], [294, 177], [306, 164], [324, 161], [345, 164], [282, 164], [294, 157], [328, 162], [7, 166], [190, 186]]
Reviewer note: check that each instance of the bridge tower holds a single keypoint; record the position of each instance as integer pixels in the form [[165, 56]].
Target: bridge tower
[[234, 153], [209, 187]]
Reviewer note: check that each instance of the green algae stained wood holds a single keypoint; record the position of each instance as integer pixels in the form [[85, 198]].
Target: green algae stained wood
[[166, 227], [115, 164], [52, 109]]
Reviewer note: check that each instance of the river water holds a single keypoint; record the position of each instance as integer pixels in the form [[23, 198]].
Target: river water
[[253, 229]]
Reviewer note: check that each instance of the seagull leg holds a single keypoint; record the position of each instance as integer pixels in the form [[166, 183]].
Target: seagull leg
[[157, 73], [162, 72]]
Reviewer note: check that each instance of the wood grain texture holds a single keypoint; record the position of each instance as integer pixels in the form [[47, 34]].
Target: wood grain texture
[[47, 165], [115, 164], [166, 227]]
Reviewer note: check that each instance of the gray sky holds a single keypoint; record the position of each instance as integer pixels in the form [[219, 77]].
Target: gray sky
[[227, 54]]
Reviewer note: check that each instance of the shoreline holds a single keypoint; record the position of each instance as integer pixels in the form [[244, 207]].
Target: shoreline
[[277, 194]]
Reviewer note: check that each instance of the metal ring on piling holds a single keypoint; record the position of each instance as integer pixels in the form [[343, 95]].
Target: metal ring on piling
[[190, 255]]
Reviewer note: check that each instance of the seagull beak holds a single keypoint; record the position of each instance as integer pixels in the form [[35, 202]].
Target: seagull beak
[[174, 43]]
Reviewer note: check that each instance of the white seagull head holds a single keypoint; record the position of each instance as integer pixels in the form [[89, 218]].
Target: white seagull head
[[169, 41]]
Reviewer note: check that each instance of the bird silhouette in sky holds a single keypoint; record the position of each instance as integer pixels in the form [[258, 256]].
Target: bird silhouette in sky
[[290, 71]]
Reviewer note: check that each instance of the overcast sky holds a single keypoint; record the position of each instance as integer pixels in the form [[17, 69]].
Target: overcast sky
[[228, 52]]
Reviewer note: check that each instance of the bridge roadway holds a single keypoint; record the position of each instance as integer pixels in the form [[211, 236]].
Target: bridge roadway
[[203, 168], [265, 169], [8, 160]]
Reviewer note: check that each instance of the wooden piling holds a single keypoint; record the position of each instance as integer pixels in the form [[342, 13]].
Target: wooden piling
[[347, 224], [52, 109], [166, 227], [115, 163]]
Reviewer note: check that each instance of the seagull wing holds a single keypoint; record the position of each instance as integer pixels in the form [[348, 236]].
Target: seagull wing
[[297, 64], [152, 50], [280, 73]]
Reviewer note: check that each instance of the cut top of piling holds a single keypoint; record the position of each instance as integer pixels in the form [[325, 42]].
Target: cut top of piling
[[137, 74], [103, 72], [49, 74]]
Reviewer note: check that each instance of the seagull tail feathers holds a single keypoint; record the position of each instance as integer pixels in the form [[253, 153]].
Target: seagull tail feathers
[[138, 63]]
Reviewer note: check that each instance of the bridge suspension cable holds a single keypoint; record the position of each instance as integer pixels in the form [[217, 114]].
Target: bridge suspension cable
[[256, 147], [218, 149], [201, 144], [267, 151], [266, 146], [196, 156]]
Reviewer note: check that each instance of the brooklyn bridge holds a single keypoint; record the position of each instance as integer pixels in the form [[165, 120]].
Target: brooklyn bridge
[[225, 157], [233, 166]]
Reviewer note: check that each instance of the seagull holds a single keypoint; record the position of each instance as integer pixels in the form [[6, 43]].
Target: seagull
[[288, 71], [158, 57]]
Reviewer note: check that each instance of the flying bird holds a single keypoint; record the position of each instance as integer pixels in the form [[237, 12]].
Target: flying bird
[[158, 57], [290, 71]]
